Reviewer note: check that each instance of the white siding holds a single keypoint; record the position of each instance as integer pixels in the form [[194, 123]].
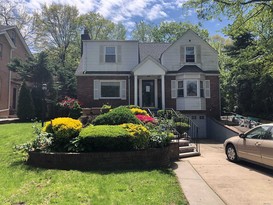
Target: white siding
[[171, 58], [126, 52], [191, 103]]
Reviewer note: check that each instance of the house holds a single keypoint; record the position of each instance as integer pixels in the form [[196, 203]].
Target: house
[[183, 75], [12, 45]]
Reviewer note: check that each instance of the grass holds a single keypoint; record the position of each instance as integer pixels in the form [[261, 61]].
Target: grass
[[22, 184]]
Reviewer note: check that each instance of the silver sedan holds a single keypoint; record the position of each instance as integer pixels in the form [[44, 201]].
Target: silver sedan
[[255, 145]]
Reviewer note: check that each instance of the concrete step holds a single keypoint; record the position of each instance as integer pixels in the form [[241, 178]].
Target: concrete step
[[183, 143], [186, 149], [189, 154]]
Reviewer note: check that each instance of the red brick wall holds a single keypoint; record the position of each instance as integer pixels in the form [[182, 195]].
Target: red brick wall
[[169, 102], [213, 103], [85, 91]]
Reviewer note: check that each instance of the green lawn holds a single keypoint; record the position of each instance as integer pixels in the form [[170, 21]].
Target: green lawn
[[22, 184]]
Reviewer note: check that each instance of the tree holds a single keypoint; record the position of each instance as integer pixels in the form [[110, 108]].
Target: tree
[[119, 32], [143, 32], [14, 13], [25, 110], [56, 27], [171, 31], [97, 26]]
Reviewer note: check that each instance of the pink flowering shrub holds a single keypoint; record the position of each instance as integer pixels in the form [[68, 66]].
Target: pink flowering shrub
[[145, 118], [70, 107]]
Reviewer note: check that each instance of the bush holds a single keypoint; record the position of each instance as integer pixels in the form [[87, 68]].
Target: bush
[[69, 107], [139, 133], [25, 110], [182, 127], [165, 114], [160, 139], [63, 127], [105, 138], [146, 119], [138, 111], [116, 116]]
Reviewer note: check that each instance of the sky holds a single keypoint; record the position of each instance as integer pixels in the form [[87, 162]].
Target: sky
[[128, 12]]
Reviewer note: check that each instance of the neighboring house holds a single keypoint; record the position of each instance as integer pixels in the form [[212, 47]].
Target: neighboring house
[[12, 45], [183, 76]]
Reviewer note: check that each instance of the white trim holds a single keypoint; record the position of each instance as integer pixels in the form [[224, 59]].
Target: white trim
[[156, 93], [163, 91], [135, 90], [107, 81]]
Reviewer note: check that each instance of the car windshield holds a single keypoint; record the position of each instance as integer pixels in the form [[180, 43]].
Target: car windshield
[[258, 133]]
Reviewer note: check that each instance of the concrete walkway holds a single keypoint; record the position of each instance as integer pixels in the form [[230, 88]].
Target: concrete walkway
[[211, 179], [194, 187]]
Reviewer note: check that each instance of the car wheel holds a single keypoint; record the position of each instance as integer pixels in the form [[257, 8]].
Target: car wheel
[[231, 153]]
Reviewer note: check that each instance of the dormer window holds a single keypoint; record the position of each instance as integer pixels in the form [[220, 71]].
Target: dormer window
[[110, 54], [190, 54]]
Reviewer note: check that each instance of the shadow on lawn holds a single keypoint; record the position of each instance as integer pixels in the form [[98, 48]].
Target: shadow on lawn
[[22, 164]]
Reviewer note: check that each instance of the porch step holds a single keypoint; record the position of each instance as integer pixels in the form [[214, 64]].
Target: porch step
[[183, 143], [189, 154], [185, 149]]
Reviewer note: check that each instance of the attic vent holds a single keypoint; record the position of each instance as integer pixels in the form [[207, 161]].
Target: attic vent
[[190, 40]]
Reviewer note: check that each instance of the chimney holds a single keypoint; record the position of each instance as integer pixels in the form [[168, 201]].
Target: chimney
[[84, 36]]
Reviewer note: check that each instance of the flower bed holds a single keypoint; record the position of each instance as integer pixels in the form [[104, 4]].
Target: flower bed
[[141, 159]]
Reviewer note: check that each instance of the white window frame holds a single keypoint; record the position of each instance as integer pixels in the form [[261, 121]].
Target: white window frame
[[105, 53], [13, 37], [98, 94], [194, 50], [183, 88]]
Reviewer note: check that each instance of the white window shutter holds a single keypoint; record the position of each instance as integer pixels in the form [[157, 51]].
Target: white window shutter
[[96, 89], [173, 89], [207, 88], [123, 89]]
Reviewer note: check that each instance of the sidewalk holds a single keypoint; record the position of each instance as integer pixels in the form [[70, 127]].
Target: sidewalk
[[194, 187]]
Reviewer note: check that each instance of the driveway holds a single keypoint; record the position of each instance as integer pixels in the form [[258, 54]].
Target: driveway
[[242, 183]]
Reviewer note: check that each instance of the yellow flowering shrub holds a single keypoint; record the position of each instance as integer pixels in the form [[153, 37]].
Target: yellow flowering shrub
[[63, 127], [139, 133], [138, 111]]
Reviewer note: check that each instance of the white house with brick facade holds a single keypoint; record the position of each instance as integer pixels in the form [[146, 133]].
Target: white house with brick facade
[[183, 75]]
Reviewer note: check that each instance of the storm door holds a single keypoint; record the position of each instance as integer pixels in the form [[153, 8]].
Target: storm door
[[148, 93]]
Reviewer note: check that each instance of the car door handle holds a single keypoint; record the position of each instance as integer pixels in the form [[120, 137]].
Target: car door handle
[[257, 143]]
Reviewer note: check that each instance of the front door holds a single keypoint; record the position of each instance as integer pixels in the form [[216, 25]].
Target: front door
[[148, 93]]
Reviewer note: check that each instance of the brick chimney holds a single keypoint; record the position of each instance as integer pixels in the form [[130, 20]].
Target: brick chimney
[[84, 36]]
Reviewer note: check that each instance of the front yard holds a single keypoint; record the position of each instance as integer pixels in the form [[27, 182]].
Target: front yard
[[22, 184]]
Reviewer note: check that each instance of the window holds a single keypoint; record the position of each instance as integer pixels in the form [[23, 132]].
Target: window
[[180, 89], [190, 55], [258, 133], [110, 54], [110, 89], [1, 50], [192, 88]]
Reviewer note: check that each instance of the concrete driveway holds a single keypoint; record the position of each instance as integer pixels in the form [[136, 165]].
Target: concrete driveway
[[242, 183]]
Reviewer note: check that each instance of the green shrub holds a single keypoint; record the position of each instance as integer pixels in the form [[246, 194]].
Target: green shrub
[[25, 109], [105, 138], [182, 127], [165, 114], [116, 116]]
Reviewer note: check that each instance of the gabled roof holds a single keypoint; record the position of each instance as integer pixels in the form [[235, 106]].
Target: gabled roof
[[160, 69], [152, 49], [4, 29]]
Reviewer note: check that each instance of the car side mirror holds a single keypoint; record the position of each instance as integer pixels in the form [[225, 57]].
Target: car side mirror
[[242, 135]]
